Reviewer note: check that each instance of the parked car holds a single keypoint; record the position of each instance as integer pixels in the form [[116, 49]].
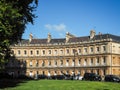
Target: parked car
[[112, 78], [92, 77], [42, 76], [78, 77]]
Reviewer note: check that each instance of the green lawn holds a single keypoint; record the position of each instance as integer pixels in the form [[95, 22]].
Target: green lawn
[[64, 85]]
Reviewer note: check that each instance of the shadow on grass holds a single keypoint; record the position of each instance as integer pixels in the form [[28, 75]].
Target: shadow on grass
[[11, 76], [6, 83]]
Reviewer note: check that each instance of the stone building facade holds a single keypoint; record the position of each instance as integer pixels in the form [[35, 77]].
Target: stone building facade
[[71, 55]]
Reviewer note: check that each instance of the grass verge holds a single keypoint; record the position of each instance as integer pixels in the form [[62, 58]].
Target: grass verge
[[64, 85]]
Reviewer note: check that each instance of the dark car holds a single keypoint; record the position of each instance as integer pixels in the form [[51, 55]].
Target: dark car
[[42, 76], [112, 78], [92, 77]]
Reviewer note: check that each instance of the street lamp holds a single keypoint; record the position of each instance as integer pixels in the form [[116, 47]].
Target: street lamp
[[75, 53]]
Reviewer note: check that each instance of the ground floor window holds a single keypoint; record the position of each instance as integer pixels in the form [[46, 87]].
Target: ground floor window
[[98, 71], [31, 73], [104, 72]]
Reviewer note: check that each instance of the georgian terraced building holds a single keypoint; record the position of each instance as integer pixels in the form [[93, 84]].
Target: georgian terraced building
[[71, 55]]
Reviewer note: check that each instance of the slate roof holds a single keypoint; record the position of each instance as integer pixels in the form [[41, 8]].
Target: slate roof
[[106, 36], [74, 39]]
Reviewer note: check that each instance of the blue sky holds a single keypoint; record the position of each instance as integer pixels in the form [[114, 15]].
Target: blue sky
[[75, 16]]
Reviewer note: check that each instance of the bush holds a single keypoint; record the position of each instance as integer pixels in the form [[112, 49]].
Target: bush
[[4, 75], [24, 77]]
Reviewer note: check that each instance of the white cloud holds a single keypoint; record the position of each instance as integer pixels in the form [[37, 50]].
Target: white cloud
[[48, 26], [58, 27], [61, 35]]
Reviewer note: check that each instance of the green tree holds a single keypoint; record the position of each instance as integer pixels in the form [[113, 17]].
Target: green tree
[[14, 16]]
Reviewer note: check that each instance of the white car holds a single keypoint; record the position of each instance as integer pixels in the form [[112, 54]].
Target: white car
[[78, 77]]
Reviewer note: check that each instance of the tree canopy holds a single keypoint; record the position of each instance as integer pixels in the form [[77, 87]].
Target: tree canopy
[[14, 16]]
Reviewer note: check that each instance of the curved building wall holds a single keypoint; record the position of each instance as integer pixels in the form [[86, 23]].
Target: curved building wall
[[99, 56]]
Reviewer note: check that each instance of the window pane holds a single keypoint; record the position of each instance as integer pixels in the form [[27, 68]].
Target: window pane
[[25, 52], [37, 52]]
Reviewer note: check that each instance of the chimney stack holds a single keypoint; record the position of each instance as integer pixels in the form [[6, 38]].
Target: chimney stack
[[30, 37], [68, 36], [49, 38], [92, 34]]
